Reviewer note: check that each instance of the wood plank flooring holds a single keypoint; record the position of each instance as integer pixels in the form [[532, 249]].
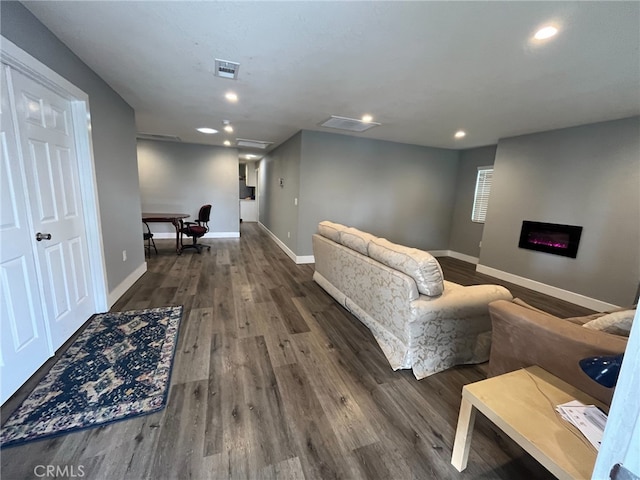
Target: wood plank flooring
[[273, 379]]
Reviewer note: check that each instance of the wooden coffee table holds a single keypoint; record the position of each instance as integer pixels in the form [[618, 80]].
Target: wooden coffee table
[[522, 404]]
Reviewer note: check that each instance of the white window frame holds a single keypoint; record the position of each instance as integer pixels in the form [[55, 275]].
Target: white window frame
[[481, 196]]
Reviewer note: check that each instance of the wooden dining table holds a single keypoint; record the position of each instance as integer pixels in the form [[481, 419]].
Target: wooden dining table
[[173, 218]]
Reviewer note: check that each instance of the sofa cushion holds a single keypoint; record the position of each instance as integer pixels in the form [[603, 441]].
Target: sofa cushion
[[617, 323], [577, 320], [418, 264], [356, 240], [587, 318], [330, 230]]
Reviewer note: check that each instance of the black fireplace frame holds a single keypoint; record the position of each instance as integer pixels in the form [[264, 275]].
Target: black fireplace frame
[[574, 233]]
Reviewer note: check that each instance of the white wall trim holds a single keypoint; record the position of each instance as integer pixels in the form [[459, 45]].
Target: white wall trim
[[172, 235], [279, 242], [463, 256], [305, 259], [222, 235], [439, 253], [550, 290], [297, 259], [126, 284]]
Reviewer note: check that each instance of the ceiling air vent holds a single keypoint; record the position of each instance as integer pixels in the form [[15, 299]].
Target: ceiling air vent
[[155, 136], [245, 142], [227, 69], [350, 124]]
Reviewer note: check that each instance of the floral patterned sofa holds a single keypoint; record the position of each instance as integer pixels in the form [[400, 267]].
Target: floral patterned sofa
[[420, 320]]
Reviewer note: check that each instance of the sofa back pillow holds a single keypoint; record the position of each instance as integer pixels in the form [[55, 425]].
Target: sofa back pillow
[[617, 323], [330, 230], [418, 264], [356, 240]]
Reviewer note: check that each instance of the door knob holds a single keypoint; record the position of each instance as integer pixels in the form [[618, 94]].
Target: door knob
[[43, 236]]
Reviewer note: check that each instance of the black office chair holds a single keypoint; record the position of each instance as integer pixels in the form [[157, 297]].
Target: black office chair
[[148, 237], [196, 229]]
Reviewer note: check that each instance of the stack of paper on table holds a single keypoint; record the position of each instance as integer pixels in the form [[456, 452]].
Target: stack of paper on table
[[589, 419]]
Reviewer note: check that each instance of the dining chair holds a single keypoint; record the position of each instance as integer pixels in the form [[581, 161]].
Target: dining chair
[[148, 237]]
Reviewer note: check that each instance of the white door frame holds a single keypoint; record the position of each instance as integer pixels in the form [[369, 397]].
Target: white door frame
[[21, 61], [257, 191]]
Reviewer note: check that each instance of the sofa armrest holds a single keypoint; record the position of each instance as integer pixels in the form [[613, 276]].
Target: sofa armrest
[[451, 329], [522, 337], [465, 309], [463, 301]]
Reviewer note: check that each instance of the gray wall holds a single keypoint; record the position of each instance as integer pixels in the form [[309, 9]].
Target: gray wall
[[277, 209], [588, 176], [181, 177], [465, 234], [402, 192], [113, 135]]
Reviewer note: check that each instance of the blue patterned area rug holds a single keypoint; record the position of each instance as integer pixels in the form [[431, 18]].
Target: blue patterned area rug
[[119, 367]]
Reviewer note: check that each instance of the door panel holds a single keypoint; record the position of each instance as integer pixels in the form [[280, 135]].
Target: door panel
[[68, 181], [34, 109], [51, 172], [60, 120], [8, 209], [17, 285], [44, 187], [78, 269], [56, 281], [24, 344]]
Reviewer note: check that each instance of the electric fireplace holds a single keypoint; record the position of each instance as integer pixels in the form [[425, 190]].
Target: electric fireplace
[[550, 238]]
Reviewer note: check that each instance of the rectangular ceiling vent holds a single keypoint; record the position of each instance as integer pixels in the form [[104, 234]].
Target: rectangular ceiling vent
[[349, 124], [155, 136], [227, 69], [245, 142]]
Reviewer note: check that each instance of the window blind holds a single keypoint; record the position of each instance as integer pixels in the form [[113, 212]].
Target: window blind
[[481, 197]]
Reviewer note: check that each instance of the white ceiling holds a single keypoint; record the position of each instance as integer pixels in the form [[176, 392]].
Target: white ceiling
[[422, 69]]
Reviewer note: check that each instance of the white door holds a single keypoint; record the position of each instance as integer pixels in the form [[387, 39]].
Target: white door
[[45, 130], [24, 344]]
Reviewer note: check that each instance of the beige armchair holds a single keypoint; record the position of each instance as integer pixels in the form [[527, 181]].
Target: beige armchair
[[523, 336]]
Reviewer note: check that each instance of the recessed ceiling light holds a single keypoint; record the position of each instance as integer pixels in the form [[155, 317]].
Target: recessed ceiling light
[[545, 32], [232, 97], [207, 130], [460, 134], [227, 143], [227, 126], [367, 118]]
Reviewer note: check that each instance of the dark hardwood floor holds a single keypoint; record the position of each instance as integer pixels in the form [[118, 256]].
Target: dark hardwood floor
[[273, 379]]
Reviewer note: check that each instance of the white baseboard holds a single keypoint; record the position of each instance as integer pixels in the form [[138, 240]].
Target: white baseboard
[[168, 235], [126, 284], [550, 290], [297, 259], [450, 253], [222, 235], [463, 256], [305, 259]]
